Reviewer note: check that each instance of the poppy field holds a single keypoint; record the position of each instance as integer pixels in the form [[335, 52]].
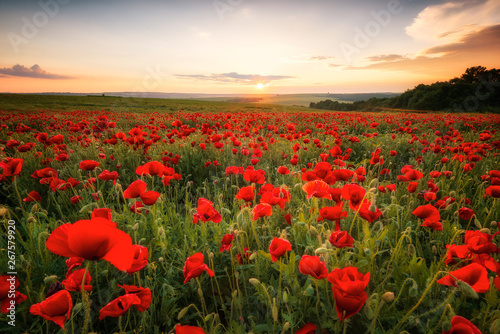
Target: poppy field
[[242, 220]]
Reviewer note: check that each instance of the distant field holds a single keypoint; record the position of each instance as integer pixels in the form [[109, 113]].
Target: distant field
[[281, 99], [14, 102]]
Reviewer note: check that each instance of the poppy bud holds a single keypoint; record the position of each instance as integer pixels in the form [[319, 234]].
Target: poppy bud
[[321, 250], [161, 231], [253, 256], [50, 279], [274, 310], [466, 289], [388, 297], [135, 227], [211, 255], [477, 223], [372, 208], [255, 282], [286, 326], [3, 211], [313, 230], [285, 297], [34, 208], [161, 259], [31, 219], [485, 230], [183, 312], [493, 224], [373, 183], [495, 327]]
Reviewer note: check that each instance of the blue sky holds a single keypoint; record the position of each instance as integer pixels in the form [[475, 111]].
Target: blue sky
[[242, 46]]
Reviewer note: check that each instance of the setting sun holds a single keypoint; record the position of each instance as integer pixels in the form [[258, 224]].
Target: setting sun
[[261, 86]]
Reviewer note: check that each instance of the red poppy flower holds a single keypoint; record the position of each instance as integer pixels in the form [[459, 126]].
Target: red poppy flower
[[93, 240], [206, 212], [143, 294], [317, 188], [151, 168], [73, 282], [348, 290], [75, 199], [473, 274], [150, 197], [278, 248], [308, 328], [283, 170], [255, 176], [106, 175], [354, 194], [313, 266], [430, 215], [466, 213], [188, 329], [135, 189], [195, 266], [140, 261], [341, 239], [460, 325], [342, 174], [479, 242], [56, 308], [119, 306], [391, 187], [8, 301], [262, 210], [11, 167], [493, 191], [32, 197], [369, 212], [89, 165], [102, 213], [226, 242], [44, 172], [246, 193], [412, 187]]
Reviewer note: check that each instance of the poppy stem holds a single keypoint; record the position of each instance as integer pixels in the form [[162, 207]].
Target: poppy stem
[[317, 298], [85, 300]]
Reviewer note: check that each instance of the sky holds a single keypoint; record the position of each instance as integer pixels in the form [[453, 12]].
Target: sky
[[242, 46]]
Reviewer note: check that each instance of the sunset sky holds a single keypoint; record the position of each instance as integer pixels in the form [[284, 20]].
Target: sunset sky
[[242, 46]]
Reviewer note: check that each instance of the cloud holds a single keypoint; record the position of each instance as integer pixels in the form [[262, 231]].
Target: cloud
[[385, 58], [334, 65], [320, 58], [452, 20], [235, 78], [34, 71], [476, 48]]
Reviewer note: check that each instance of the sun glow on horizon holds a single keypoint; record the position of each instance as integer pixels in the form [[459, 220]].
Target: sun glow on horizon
[[261, 85]]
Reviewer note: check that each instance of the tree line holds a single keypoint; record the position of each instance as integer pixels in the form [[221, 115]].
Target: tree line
[[477, 90]]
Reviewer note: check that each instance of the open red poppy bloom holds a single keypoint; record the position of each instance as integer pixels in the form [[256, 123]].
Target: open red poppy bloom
[[460, 325], [262, 210], [89, 165], [313, 266], [493, 191], [354, 194], [11, 167], [93, 240], [317, 188], [246, 193], [430, 215], [308, 328], [6, 282], [341, 239], [206, 212], [135, 189], [155, 168], [369, 212], [226, 242], [140, 261], [150, 197], [195, 266], [73, 282], [278, 248], [186, 329], [32, 197], [348, 290], [473, 274], [255, 176], [119, 306], [106, 175], [144, 295], [56, 308], [479, 242]]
